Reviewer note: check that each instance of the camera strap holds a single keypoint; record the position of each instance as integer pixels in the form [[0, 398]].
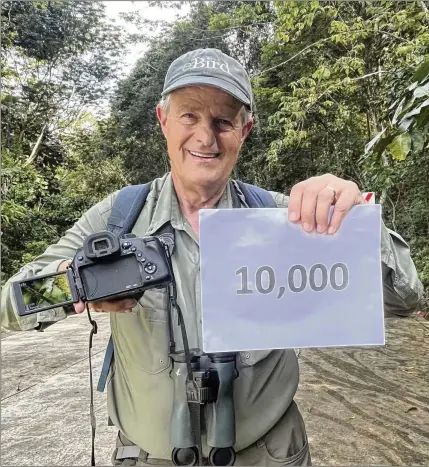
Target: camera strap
[[91, 405]]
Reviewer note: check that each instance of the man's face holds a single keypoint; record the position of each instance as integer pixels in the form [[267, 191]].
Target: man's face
[[204, 130]]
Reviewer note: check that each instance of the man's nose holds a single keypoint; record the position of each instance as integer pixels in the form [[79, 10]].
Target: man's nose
[[205, 134]]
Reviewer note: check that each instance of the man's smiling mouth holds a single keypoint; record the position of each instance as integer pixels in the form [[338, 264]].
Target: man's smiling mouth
[[202, 155]]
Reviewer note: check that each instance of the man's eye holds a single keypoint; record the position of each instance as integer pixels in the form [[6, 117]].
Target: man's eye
[[188, 116], [222, 123]]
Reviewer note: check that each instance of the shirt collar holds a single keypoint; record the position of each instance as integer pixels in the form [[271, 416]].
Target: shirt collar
[[167, 207]]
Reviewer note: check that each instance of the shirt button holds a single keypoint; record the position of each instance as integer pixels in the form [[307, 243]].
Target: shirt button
[[260, 443]]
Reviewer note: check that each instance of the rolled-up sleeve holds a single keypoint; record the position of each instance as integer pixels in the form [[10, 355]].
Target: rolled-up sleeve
[[94, 220], [402, 289]]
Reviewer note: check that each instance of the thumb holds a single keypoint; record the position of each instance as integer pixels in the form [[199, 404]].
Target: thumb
[[79, 307], [361, 200]]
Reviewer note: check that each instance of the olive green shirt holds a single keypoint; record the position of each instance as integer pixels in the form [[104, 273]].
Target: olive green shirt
[[140, 390]]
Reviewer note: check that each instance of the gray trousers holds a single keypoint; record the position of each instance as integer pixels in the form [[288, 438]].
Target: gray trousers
[[285, 444]]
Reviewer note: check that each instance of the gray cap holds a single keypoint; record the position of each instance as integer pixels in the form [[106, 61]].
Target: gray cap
[[212, 68]]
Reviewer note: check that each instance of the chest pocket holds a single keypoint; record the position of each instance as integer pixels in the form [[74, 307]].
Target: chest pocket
[[251, 357], [142, 336], [155, 301]]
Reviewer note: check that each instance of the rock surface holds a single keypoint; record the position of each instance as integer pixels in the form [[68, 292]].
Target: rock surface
[[362, 406]]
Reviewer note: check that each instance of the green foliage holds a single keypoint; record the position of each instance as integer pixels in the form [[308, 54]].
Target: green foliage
[[58, 58], [408, 128]]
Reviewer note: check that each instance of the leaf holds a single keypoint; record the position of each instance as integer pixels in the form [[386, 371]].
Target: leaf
[[422, 120], [404, 49], [397, 111], [374, 140], [405, 124], [400, 111], [400, 146], [381, 145], [422, 72], [395, 103], [418, 140], [422, 91], [417, 110]]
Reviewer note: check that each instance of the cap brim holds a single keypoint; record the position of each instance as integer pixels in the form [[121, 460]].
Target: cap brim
[[209, 81]]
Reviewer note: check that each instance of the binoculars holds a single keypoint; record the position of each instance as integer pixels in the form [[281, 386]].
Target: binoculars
[[210, 393]]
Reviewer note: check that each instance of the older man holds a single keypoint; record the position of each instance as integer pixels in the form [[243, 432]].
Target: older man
[[205, 118]]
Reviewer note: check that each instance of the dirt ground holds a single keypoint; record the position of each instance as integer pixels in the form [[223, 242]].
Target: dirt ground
[[362, 406]]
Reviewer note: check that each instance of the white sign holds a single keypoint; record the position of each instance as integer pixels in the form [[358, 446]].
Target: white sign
[[267, 284]]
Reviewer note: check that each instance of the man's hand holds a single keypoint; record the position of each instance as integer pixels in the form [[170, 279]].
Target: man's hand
[[310, 201], [107, 306]]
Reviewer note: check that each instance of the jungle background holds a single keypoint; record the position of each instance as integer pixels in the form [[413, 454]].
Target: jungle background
[[340, 87]]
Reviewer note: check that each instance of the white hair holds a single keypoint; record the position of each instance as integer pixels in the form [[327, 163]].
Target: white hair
[[246, 115]]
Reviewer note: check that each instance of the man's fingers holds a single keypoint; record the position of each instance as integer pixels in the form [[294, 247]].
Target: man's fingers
[[79, 307], [113, 306], [342, 206], [308, 209], [325, 199], [309, 203], [295, 200]]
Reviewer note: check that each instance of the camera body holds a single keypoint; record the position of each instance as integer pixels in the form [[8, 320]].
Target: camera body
[[108, 267], [105, 268]]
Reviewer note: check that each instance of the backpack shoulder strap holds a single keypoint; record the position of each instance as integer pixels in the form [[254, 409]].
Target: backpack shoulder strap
[[126, 208], [256, 197]]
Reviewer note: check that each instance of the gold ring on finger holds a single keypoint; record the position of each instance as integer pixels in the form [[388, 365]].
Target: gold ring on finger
[[332, 189]]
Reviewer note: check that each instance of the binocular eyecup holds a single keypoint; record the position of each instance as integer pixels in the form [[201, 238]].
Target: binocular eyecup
[[209, 393], [189, 456], [185, 456]]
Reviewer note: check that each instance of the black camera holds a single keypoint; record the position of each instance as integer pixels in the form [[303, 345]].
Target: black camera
[[105, 268]]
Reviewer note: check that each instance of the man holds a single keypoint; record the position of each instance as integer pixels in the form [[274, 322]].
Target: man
[[205, 118]]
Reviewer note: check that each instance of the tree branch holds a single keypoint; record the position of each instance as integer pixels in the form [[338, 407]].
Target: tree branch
[[33, 154], [378, 72], [291, 58]]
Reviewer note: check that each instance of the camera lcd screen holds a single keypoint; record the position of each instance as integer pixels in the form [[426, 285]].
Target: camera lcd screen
[[123, 274], [44, 292]]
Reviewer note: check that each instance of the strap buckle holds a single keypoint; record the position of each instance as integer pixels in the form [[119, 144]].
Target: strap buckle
[[127, 452]]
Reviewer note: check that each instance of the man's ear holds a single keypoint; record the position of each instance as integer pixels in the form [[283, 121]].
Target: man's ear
[[246, 129], [162, 117]]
